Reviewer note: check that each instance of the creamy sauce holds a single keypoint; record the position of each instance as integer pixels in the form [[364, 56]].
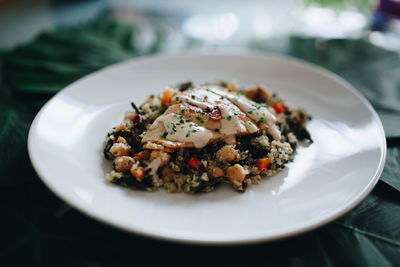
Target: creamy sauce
[[186, 123], [207, 98], [256, 111], [173, 127], [188, 131]]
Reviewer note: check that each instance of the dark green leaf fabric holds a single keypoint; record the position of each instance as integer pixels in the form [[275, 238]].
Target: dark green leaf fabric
[[60, 57], [372, 70], [32, 73], [38, 229], [391, 172]]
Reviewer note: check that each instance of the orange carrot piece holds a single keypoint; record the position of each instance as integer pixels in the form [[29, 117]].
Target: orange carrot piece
[[138, 173], [167, 96], [263, 163], [142, 155]]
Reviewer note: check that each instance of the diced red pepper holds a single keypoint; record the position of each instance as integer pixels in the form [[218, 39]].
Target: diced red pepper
[[142, 154], [194, 162], [279, 108]]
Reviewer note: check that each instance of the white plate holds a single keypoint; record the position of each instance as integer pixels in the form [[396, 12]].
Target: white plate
[[326, 179]]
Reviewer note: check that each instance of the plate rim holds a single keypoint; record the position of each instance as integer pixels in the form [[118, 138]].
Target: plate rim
[[266, 55]]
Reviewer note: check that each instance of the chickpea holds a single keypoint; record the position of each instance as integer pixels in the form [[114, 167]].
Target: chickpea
[[227, 153], [120, 149], [236, 174], [123, 163]]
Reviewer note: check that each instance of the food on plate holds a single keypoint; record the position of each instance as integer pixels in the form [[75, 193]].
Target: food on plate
[[193, 138]]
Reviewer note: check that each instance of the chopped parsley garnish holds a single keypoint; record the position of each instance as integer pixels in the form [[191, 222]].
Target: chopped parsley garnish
[[183, 110], [189, 132], [187, 120], [229, 117], [193, 96], [216, 130], [177, 98], [198, 118], [164, 135], [250, 112], [182, 121], [262, 119], [234, 113]]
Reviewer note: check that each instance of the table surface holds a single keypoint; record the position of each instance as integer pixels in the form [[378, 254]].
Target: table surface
[[38, 57]]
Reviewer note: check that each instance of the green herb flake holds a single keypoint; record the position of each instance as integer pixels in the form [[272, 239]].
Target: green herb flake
[[177, 98], [216, 130], [229, 117], [193, 96], [164, 135], [198, 118], [235, 114], [187, 120], [262, 119], [182, 121], [250, 112], [183, 110]]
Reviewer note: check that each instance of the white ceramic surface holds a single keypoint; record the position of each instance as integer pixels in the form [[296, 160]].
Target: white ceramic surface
[[326, 179]]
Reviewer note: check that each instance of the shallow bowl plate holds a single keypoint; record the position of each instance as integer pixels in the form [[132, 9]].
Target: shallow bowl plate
[[327, 178]]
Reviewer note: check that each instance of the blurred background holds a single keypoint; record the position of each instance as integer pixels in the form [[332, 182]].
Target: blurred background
[[212, 24]]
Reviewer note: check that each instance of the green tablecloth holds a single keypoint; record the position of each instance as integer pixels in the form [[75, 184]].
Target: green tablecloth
[[38, 229]]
